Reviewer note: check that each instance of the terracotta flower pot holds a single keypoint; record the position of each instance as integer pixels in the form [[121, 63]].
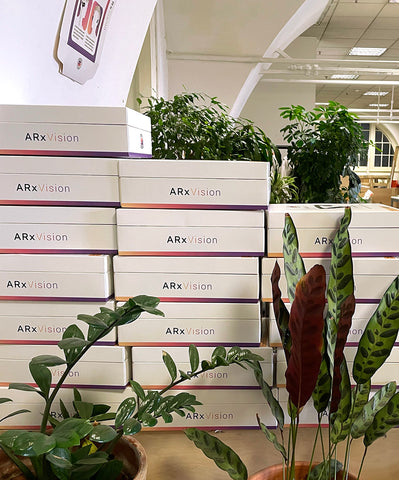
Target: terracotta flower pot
[[275, 472], [128, 450]]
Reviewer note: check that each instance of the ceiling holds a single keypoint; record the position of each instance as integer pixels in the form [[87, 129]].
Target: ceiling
[[360, 23]]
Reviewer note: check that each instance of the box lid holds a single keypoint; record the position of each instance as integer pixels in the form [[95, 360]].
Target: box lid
[[181, 354], [25, 164], [94, 115], [55, 263], [370, 215], [194, 169], [22, 214], [51, 309], [210, 265], [190, 218], [98, 353]]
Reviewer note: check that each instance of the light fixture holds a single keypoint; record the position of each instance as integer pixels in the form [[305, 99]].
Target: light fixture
[[393, 1], [378, 104], [376, 94], [367, 51], [344, 76]]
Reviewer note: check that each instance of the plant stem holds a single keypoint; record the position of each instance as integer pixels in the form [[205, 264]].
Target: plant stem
[[361, 463]]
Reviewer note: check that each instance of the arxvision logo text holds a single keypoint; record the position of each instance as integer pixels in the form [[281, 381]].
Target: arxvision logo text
[[51, 137], [192, 240], [195, 192], [41, 237], [43, 187]]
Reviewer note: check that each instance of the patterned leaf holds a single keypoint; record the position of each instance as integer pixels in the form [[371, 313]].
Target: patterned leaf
[[293, 263], [220, 453], [272, 437], [343, 410], [378, 401], [306, 327], [281, 313], [267, 392], [379, 336], [322, 391], [385, 419]]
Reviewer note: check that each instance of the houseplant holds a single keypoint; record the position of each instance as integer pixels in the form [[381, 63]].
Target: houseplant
[[80, 447], [324, 143], [196, 126], [313, 343]]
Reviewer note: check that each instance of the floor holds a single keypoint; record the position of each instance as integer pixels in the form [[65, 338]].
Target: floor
[[172, 456]]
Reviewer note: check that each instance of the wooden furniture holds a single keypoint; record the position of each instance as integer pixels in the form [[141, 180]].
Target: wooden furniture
[[172, 456]]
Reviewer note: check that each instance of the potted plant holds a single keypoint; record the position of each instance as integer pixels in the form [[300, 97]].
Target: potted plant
[[80, 446], [195, 126], [324, 144], [313, 343]]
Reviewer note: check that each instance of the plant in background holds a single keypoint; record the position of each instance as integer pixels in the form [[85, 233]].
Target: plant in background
[[313, 342], [195, 126], [282, 187], [322, 143], [80, 447]]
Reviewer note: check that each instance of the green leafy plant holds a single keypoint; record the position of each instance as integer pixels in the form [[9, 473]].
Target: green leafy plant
[[313, 343], [80, 447], [323, 143], [197, 126]]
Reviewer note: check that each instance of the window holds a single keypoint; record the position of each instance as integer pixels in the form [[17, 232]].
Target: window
[[380, 155]]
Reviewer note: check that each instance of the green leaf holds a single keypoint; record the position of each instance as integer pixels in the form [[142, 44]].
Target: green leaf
[[267, 392], [83, 409], [370, 409], [13, 414], [384, 420], [47, 360], [32, 444], [333, 466], [170, 365], [272, 437], [194, 357], [125, 411], [138, 390], [24, 387], [379, 336], [69, 432], [110, 470], [72, 343], [293, 263], [5, 400], [92, 320], [131, 426], [60, 457], [42, 376], [102, 434], [224, 457]]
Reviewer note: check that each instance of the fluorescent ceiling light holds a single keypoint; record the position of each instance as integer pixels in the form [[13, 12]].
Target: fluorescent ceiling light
[[378, 104], [367, 51], [344, 76], [376, 94]]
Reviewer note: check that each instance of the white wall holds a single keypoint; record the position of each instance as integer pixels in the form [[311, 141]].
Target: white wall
[[29, 68]]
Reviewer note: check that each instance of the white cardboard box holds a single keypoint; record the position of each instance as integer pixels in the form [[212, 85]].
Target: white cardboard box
[[150, 371], [56, 277], [190, 232], [102, 366], [35, 403], [43, 323], [374, 228], [195, 323], [372, 276], [183, 279], [28, 180], [217, 184], [74, 130], [223, 409], [57, 229]]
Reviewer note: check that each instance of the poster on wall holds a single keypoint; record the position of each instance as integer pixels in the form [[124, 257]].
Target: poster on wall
[[82, 36], [70, 52]]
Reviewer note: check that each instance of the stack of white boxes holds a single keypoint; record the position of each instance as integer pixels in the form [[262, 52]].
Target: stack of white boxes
[[374, 234], [59, 192], [191, 233]]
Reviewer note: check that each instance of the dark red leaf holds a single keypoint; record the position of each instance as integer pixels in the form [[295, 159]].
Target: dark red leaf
[[306, 327]]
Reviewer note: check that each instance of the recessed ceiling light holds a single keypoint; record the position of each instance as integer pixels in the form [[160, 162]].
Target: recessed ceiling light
[[344, 76], [376, 94], [367, 51], [393, 1], [378, 104]]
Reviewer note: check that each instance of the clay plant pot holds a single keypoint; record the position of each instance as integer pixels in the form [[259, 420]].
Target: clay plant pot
[[275, 472], [128, 450]]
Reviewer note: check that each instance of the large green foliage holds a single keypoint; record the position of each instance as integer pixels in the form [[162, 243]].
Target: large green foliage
[[323, 144], [195, 126]]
